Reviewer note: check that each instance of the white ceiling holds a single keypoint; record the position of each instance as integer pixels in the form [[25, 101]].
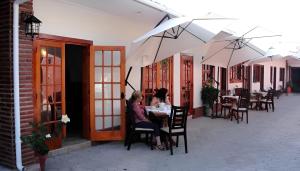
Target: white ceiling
[[125, 8]]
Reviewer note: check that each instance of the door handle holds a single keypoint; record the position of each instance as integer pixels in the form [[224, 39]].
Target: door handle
[[122, 95]]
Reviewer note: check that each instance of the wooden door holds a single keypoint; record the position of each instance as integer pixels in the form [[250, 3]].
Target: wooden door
[[107, 87], [49, 87], [223, 79], [186, 82], [275, 79], [262, 79]]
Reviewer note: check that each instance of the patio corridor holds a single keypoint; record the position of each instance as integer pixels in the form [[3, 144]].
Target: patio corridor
[[271, 141]]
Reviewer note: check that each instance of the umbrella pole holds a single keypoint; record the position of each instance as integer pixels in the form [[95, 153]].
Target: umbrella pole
[[161, 39], [126, 80]]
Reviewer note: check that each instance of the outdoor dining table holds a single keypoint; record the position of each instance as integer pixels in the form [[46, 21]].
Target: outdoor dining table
[[234, 99], [164, 112]]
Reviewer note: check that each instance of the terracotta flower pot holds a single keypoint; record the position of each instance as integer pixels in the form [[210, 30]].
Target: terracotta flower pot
[[289, 89], [42, 161]]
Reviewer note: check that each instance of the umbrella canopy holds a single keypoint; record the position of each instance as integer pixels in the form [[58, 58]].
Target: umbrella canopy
[[225, 53], [170, 37]]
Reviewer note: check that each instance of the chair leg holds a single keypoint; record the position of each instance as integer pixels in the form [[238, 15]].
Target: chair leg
[[185, 143], [273, 106], [171, 145], [247, 116], [177, 140], [151, 138], [130, 140], [237, 116], [266, 107], [147, 138], [242, 116]]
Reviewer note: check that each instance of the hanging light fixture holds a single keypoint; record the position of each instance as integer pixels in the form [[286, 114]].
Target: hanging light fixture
[[32, 26]]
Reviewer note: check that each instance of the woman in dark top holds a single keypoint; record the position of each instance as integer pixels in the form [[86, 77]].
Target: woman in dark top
[[140, 118]]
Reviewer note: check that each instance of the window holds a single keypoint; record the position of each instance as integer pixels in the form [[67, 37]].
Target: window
[[155, 76], [236, 73], [271, 74], [208, 72], [256, 73], [281, 77]]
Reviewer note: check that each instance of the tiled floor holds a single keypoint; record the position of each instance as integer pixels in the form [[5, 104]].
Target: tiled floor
[[271, 141]]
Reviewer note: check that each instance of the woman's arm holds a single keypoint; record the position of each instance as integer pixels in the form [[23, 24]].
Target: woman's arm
[[139, 112]]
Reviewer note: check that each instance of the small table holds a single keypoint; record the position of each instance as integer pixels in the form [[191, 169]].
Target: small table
[[166, 110]]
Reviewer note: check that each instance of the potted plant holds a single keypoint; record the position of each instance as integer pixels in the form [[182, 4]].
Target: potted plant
[[38, 138], [289, 86], [209, 95]]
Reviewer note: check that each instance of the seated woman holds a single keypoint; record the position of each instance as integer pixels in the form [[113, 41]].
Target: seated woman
[[140, 118], [161, 96]]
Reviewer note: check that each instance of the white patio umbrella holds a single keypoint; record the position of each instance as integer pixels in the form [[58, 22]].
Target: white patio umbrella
[[170, 37], [237, 43]]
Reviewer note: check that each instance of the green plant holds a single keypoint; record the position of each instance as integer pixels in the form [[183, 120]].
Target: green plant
[[209, 94], [39, 135], [37, 139]]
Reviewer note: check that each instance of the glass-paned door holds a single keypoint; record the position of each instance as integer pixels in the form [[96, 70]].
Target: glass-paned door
[[186, 85], [107, 75], [50, 87]]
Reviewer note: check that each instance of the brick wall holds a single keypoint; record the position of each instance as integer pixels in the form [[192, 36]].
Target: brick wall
[[7, 145], [7, 150], [26, 82]]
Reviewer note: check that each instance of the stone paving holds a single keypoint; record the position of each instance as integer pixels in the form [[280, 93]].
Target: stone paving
[[270, 142]]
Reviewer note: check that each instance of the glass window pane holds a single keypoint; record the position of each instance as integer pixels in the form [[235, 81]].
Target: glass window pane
[[57, 58], [57, 75], [98, 57], [98, 123], [116, 73], [50, 75], [58, 110], [117, 107], [44, 95], [50, 91], [98, 74], [43, 55], [107, 74], [98, 91], [116, 56], [51, 54], [57, 93], [107, 107], [107, 91], [98, 107], [116, 91], [43, 75], [107, 57], [117, 121], [107, 122], [45, 113]]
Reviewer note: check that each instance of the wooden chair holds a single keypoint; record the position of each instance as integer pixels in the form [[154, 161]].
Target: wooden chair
[[268, 101], [133, 130], [226, 103], [255, 99], [242, 107], [177, 126]]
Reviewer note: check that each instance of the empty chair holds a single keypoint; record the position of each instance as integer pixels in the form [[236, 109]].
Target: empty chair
[[226, 103], [176, 126], [242, 108], [268, 101], [255, 100]]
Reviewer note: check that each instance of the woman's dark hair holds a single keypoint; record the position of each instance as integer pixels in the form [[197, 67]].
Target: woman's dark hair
[[161, 94]]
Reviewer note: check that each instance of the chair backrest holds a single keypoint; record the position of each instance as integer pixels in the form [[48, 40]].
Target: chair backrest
[[130, 120], [270, 95], [178, 117], [243, 103]]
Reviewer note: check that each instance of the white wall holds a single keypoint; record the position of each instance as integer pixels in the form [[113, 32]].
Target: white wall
[[267, 84], [67, 19], [176, 79]]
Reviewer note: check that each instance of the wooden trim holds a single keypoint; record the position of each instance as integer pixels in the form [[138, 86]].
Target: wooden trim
[[104, 135], [66, 40]]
